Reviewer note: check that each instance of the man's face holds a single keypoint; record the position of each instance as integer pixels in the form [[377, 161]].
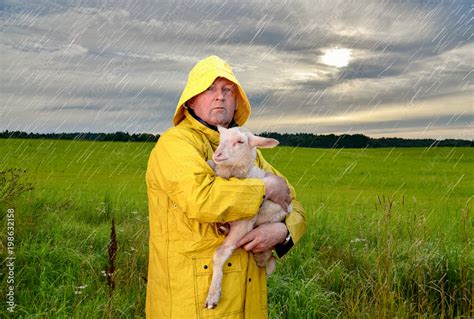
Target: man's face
[[217, 104]]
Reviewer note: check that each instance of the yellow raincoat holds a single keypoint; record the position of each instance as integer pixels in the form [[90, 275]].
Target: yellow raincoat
[[186, 199]]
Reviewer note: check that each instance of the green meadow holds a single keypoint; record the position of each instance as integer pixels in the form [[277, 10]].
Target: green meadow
[[390, 231]]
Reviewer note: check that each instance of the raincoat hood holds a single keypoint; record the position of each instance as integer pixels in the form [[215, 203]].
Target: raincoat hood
[[202, 75]]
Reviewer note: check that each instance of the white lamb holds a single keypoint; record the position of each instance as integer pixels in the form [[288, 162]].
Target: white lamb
[[235, 157]]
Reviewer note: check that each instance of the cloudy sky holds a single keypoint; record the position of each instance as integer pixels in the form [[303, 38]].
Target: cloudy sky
[[381, 68]]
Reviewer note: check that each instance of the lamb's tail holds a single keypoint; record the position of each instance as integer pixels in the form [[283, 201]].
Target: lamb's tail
[[223, 228]]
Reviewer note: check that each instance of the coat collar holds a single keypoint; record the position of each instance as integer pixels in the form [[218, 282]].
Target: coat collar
[[212, 135], [209, 130]]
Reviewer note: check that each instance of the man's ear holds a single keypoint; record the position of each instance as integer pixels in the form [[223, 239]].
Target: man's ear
[[190, 103]]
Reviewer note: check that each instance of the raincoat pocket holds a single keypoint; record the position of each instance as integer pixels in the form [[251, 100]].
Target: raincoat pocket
[[232, 299]]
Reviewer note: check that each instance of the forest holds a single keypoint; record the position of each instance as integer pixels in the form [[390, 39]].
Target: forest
[[285, 139]]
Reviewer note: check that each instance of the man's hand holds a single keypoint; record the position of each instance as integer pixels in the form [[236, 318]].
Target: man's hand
[[264, 237], [277, 190]]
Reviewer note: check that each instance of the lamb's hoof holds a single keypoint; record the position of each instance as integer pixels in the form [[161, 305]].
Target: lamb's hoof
[[210, 306], [212, 301], [270, 268]]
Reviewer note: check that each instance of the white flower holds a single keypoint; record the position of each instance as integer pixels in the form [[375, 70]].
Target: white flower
[[358, 240]]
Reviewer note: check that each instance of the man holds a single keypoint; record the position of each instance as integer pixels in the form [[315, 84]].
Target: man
[[186, 200]]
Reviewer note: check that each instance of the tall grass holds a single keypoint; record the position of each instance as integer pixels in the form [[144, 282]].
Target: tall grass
[[389, 235], [389, 231]]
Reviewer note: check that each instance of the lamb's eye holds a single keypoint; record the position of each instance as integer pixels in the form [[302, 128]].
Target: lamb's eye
[[240, 142]]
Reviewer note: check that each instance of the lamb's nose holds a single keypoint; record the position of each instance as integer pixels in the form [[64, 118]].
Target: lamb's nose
[[217, 155]]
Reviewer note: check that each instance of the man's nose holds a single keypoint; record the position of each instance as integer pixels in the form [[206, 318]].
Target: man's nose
[[219, 95]]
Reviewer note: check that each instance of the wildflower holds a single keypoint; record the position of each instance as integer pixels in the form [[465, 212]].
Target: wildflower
[[358, 240]]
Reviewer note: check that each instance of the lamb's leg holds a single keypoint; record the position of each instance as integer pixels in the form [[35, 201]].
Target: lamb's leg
[[238, 229], [266, 259], [271, 212], [271, 265], [262, 258], [220, 256]]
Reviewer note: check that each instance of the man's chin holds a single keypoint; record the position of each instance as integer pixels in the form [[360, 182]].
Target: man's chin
[[219, 122]]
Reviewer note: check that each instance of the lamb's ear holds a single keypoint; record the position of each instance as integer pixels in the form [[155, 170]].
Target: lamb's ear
[[221, 129], [262, 142]]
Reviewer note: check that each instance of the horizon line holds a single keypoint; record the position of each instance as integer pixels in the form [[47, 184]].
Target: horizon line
[[260, 133]]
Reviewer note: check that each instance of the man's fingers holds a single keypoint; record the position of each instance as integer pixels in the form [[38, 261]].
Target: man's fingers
[[251, 245], [249, 241], [257, 250], [247, 238]]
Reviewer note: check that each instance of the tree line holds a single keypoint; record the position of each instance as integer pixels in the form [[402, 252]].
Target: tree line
[[358, 141], [286, 139], [106, 137]]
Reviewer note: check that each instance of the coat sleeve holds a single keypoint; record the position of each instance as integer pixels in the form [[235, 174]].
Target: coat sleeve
[[178, 166], [295, 221]]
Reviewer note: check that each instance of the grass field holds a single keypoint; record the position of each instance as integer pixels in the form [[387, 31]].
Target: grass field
[[390, 231]]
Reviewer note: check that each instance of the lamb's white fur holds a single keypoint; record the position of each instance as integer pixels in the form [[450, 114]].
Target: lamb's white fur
[[235, 157]]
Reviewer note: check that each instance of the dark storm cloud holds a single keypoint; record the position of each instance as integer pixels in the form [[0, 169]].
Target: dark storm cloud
[[86, 107], [131, 58]]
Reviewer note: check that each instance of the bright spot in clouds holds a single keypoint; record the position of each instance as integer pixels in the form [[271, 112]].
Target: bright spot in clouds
[[336, 57]]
